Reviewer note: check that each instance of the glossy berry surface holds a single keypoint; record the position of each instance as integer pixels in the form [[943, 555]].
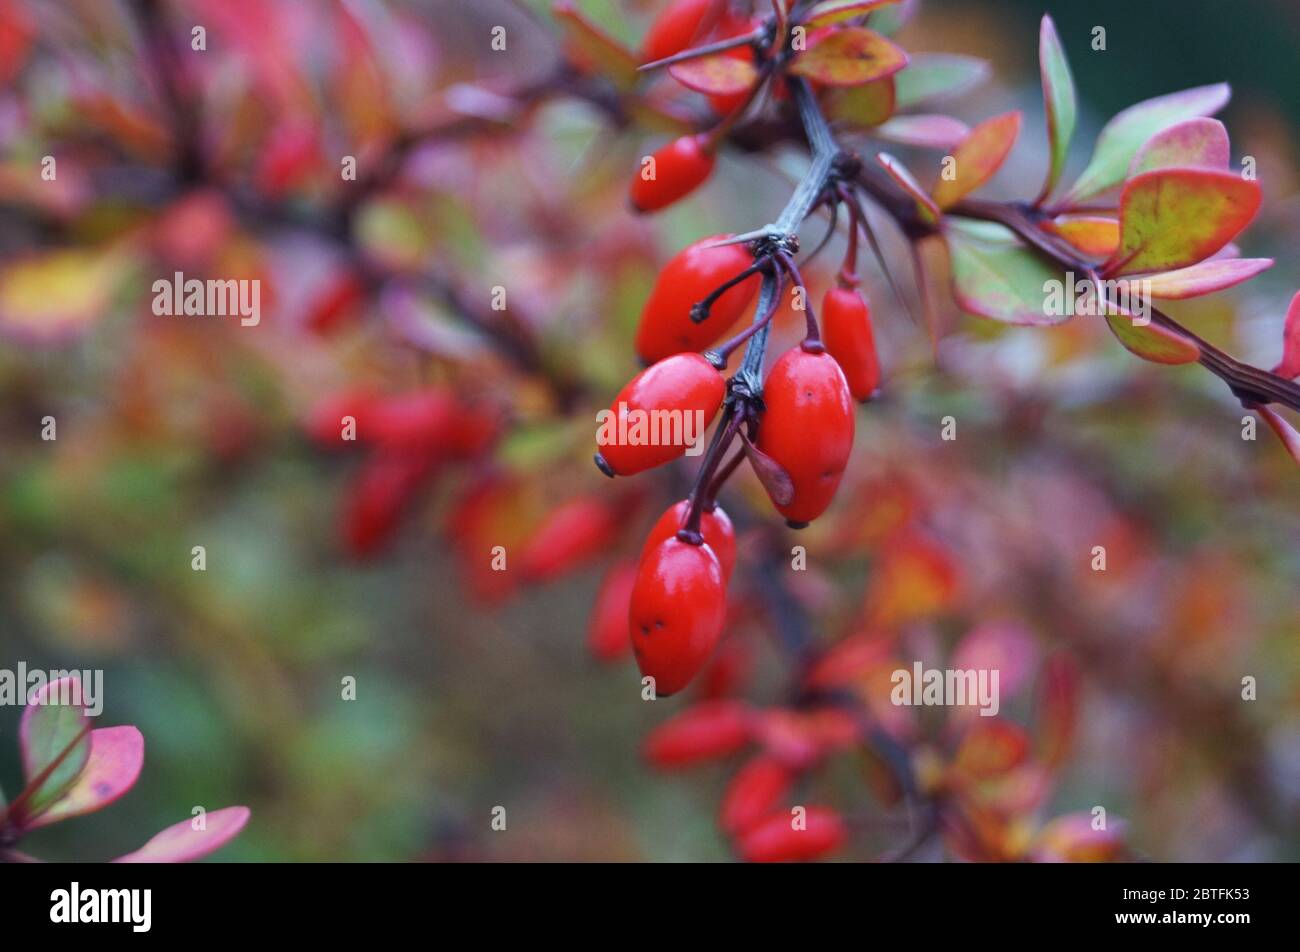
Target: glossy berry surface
[[848, 336], [666, 327], [807, 428], [676, 614], [677, 169], [775, 839], [649, 420], [719, 534]]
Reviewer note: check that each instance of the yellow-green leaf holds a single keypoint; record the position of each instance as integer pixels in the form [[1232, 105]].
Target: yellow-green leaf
[[849, 57], [865, 106], [837, 11], [51, 296], [1058, 99], [994, 275], [1153, 342], [719, 75]]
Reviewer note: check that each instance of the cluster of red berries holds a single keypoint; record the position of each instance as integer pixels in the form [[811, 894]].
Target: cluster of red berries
[[802, 428]]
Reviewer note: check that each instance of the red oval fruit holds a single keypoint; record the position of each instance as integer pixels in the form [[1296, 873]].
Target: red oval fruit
[[708, 731], [676, 28], [777, 840], [807, 428], [846, 331], [661, 411], [383, 489], [677, 169], [666, 327], [575, 532], [607, 631], [676, 613], [719, 534], [753, 793]]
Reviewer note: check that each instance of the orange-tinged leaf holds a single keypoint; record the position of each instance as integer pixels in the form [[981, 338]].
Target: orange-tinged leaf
[[719, 75], [849, 57], [1153, 342], [1170, 218], [53, 295], [924, 131], [903, 178], [978, 157], [1290, 365], [866, 106], [1203, 278], [1193, 143], [595, 49], [1094, 235], [836, 11], [990, 748]]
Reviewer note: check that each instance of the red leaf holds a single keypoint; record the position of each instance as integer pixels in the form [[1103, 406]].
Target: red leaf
[[116, 756], [1290, 365], [1193, 143], [1203, 278]]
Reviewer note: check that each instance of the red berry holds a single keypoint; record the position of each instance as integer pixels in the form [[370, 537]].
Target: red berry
[[575, 533], [753, 794], [846, 331], [676, 613], [708, 731], [677, 27], [383, 489], [652, 417], [324, 423], [777, 840], [719, 534], [675, 171], [607, 631], [807, 428], [666, 327]]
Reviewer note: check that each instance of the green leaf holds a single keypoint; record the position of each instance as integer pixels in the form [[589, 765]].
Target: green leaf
[[1195, 143], [836, 11], [1153, 342], [849, 57], [925, 205], [719, 75], [1125, 134], [996, 276], [978, 158], [55, 744], [1203, 278], [1058, 99], [1171, 218], [931, 76], [865, 106]]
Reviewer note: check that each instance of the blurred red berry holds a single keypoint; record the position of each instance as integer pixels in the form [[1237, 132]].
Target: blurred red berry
[[679, 25], [574, 533], [675, 171], [607, 638], [784, 837], [707, 731], [377, 498], [753, 793]]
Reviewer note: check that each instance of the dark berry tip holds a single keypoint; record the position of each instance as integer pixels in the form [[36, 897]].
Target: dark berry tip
[[602, 464], [797, 525]]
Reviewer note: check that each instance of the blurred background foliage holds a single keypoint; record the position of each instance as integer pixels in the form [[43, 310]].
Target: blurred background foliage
[[176, 432]]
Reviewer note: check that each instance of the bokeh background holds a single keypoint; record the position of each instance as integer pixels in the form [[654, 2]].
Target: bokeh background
[[474, 692]]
